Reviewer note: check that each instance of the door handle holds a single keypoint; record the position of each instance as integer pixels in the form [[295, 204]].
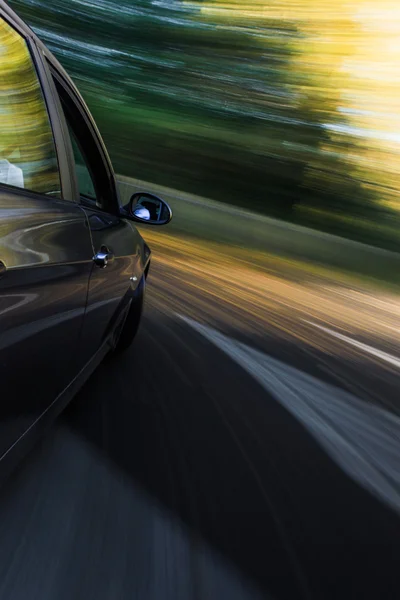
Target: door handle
[[102, 258]]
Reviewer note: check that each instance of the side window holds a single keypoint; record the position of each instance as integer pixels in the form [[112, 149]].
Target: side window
[[95, 183], [85, 182], [27, 152]]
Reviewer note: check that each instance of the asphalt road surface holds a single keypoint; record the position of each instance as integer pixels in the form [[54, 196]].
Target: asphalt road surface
[[242, 449]]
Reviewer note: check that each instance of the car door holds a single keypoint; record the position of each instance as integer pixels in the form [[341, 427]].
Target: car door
[[113, 237], [45, 245]]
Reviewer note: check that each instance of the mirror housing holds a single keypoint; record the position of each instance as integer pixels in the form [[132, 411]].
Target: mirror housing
[[148, 209]]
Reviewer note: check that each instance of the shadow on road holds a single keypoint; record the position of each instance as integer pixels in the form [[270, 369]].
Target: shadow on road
[[193, 430]]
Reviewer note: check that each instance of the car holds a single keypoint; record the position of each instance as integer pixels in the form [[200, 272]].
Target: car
[[73, 266]]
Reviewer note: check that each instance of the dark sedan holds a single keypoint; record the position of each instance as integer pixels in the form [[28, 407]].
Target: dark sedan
[[73, 266]]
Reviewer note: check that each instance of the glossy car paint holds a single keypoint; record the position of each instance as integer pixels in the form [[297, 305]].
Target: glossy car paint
[[42, 303], [58, 310], [112, 287]]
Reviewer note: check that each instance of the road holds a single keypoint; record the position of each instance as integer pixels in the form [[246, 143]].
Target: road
[[246, 447]]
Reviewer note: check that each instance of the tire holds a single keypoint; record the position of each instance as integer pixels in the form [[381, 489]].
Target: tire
[[131, 324]]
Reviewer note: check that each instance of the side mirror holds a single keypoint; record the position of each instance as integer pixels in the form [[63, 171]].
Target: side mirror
[[148, 208]]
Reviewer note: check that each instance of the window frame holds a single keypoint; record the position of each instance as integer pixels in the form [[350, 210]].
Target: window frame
[[111, 202], [47, 99]]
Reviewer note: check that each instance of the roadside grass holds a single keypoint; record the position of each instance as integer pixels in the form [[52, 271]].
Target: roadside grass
[[177, 247], [267, 243]]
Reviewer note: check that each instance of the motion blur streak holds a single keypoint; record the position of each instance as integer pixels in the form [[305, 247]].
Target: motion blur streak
[[27, 154], [65, 480], [248, 446], [362, 439], [382, 355], [287, 107], [175, 474]]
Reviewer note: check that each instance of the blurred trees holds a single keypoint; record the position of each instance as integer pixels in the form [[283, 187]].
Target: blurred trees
[[27, 153], [326, 80], [284, 106]]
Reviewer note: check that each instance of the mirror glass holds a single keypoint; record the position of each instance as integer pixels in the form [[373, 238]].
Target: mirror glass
[[150, 209], [142, 213]]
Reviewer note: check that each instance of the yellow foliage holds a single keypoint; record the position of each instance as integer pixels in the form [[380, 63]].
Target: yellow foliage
[[25, 135], [345, 71]]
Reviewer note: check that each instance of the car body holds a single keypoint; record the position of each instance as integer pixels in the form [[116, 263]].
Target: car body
[[72, 263]]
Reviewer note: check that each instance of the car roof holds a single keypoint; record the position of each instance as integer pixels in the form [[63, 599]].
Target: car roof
[[27, 32]]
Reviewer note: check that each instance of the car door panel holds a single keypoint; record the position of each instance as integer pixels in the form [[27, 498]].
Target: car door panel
[[97, 193], [109, 286], [46, 251], [45, 243]]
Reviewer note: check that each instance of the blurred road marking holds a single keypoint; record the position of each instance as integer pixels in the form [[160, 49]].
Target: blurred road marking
[[378, 353], [364, 440]]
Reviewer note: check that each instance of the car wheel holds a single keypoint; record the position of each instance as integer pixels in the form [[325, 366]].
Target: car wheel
[[130, 325]]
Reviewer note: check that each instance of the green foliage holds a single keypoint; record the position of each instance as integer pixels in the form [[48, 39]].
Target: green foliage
[[238, 101]]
